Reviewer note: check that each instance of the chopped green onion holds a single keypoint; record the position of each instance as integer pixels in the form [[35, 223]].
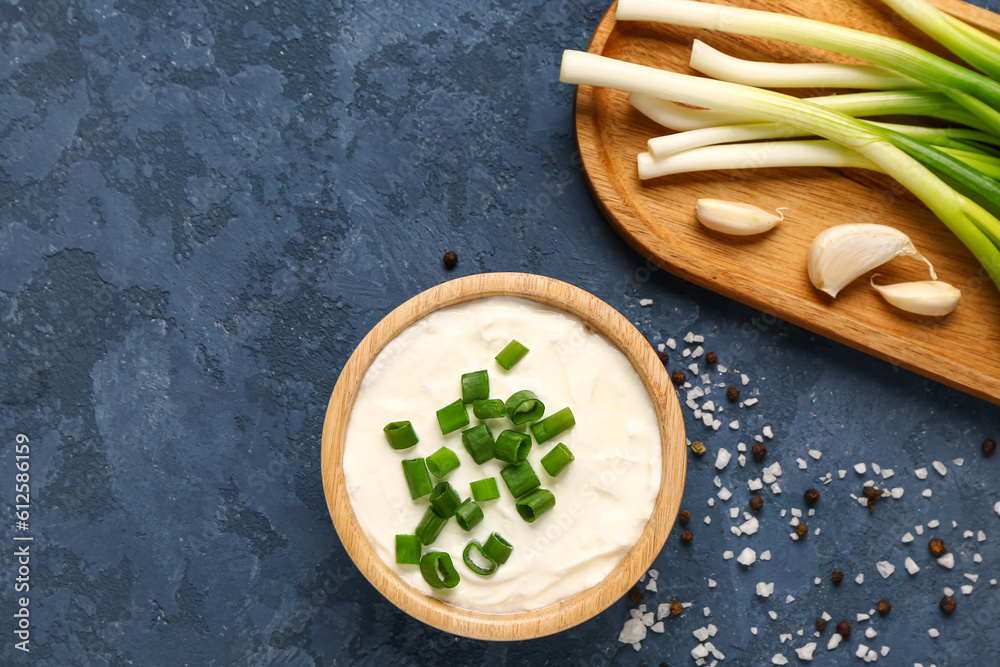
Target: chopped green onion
[[453, 417], [553, 425], [556, 460], [523, 406], [535, 504], [407, 549], [511, 354], [485, 489], [445, 500], [489, 408], [468, 515], [478, 441], [512, 446], [475, 386], [430, 526], [520, 478], [473, 565], [415, 472], [497, 549], [438, 570], [442, 462], [400, 434]]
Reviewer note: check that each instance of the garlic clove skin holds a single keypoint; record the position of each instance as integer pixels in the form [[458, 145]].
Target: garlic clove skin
[[841, 253], [933, 298], [735, 218]]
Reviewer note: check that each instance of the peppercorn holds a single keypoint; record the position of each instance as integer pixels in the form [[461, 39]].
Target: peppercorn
[[664, 357], [884, 607], [937, 547], [711, 358], [733, 392], [844, 628], [686, 536], [698, 447], [948, 604], [801, 529], [837, 577], [684, 516], [450, 259], [872, 494], [635, 595], [678, 377], [756, 503], [821, 624], [676, 607], [811, 496], [989, 446], [758, 450]]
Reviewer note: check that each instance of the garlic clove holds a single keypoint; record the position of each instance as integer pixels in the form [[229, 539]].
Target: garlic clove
[[924, 297], [841, 253], [735, 218]]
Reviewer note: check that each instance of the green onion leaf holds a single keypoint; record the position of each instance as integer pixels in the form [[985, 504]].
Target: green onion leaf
[[489, 408], [511, 354], [453, 417], [497, 549], [430, 526], [415, 472], [474, 566], [478, 441], [400, 434], [553, 425], [438, 570], [556, 460], [442, 462], [468, 515], [512, 446], [485, 489], [520, 478], [535, 504], [407, 549], [445, 500], [475, 386], [523, 406]]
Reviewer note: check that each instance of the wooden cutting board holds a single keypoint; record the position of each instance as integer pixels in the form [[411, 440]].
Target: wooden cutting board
[[768, 272]]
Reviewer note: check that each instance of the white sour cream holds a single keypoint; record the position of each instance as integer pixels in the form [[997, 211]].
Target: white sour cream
[[603, 498]]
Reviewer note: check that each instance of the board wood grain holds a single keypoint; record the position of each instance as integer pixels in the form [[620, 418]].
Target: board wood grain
[[768, 271], [564, 614]]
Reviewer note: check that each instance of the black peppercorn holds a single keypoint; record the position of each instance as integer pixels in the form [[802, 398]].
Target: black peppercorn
[[884, 607], [758, 450], [684, 516], [801, 529], [936, 547], [676, 607], [450, 259], [989, 446], [686, 536], [821, 624], [872, 494], [678, 377], [711, 358], [756, 502], [844, 628], [811, 496], [664, 357], [733, 392], [635, 595], [948, 604], [837, 577]]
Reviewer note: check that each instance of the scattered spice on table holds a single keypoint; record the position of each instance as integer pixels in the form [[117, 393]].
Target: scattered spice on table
[[884, 607], [676, 608], [989, 446], [844, 629], [733, 392], [450, 259], [635, 595], [711, 358], [756, 503], [936, 547], [684, 516], [821, 624], [698, 447], [678, 377], [810, 496], [836, 577], [664, 357], [801, 529], [758, 450], [686, 536], [948, 604]]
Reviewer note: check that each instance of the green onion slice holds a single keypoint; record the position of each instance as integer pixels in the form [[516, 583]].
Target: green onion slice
[[400, 434], [475, 386], [512, 447], [497, 549], [407, 549], [511, 354], [473, 565], [445, 500], [468, 515], [553, 425], [438, 570], [479, 442], [489, 408], [415, 472], [453, 417], [442, 462], [556, 460], [430, 527], [485, 489], [520, 478], [535, 504], [523, 406]]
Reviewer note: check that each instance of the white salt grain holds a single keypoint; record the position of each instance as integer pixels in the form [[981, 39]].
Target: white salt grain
[[941, 470], [958, 462], [727, 554], [789, 600], [978, 558], [911, 566], [734, 512], [701, 634], [662, 610], [933, 523], [860, 468], [750, 526], [723, 458], [806, 652], [860, 579], [862, 651], [906, 539], [724, 494], [735, 424], [927, 493], [764, 590], [645, 302], [897, 492], [773, 615], [870, 633], [651, 586], [778, 659], [919, 530], [802, 464], [712, 583], [885, 568], [744, 379], [750, 402], [647, 619], [967, 590], [671, 343], [887, 473], [834, 642], [658, 627], [706, 611], [755, 484], [766, 555], [947, 560], [693, 368], [747, 557], [981, 536], [863, 617], [753, 631], [948, 591], [633, 632], [768, 433], [921, 473], [841, 474], [933, 632], [698, 351], [708, 520]]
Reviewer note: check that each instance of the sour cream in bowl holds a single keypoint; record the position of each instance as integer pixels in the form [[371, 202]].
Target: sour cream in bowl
[[615, 501]]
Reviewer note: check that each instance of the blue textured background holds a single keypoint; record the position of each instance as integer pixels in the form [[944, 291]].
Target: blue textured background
[[204, 208]]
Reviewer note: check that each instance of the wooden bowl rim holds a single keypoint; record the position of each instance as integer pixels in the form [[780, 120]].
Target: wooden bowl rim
[[561, 615]]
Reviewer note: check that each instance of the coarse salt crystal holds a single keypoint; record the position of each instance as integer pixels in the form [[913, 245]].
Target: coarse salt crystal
[[779, 659], [755, 484], [806, 652], [927, 493], [884, 651], [768, 433], [655, 574], [724, 494], [885, 568], [727, 554], [735, 424], [887, 473], [921, 473], [773, 614], [939, 467], [968, 535], [750, 526], [897, 492], [870, 633], [693, 368], [996, 507], [834, 642], [796, 512], [860, 579], [841, 474], [906, 539], [948, 591], [977, 558], [707, 419], [860, 468], [753, 631], [876, 468], [711, 502], [699, 651], [766, 555], [789, 600], [816, 454], [645, 302], [698, 351], [651, 586], [817, 581], [775, 488], [647, 619], [706, 611], [708, 520], [712, 583], [742, 460], [967, 590], [958, 462], [750, 402], [717, 424], [911, 565], [933, 523], [634, 631], [708, 405], [662, 610], [947, 560], [863, 617], [745, 379], [933, 632], [658, 627], [660, 347], [701, 634], [764, 590], [747, 557], [721, 369], [919, 530], [862, 651], [723, 458], [671, 343], [802, 464], [734, 512]]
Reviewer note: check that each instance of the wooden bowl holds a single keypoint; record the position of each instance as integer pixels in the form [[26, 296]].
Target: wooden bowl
[[571, 611]]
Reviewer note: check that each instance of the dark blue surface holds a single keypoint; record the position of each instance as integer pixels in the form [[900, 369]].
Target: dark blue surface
[[204, 208]]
